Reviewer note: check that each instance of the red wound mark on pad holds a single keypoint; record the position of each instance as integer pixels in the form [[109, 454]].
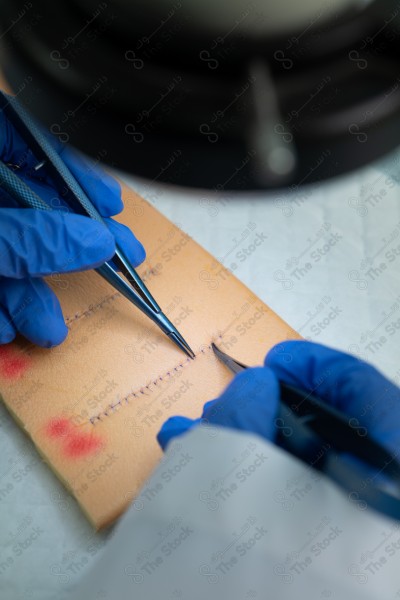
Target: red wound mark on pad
[[81, 444], [12, 363], [57, 428], [74, 443]]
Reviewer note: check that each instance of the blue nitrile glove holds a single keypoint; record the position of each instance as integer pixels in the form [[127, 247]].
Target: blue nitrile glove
[[34, 243], [343, 381]]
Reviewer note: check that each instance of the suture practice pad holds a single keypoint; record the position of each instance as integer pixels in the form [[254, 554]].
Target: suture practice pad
[[94, 405]]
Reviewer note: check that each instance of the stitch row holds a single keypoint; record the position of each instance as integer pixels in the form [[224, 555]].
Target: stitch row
[[149, 387], [92, 309]]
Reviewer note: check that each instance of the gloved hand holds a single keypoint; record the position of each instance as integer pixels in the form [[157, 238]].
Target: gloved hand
[[250, 402], [34, 243]]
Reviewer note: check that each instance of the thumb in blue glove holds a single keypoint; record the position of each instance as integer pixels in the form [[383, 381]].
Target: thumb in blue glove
[[249, 403]]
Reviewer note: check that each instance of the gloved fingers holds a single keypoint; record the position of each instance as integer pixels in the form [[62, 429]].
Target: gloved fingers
[[104, 194], [174, 427], [7, 329], [124, 237], [249, 403], [37, 243], [44, 190], [34, 310], [13, 149], [103, 190], [343, 381]]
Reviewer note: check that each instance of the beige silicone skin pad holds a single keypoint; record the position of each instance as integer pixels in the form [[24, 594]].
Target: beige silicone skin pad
[[94, 405]]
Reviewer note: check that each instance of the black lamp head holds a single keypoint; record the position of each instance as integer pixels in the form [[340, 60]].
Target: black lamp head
[[223, 94]]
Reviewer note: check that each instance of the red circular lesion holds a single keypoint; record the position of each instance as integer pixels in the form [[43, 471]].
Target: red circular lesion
[[58, 427], [81, 444], [12, 364], [75, 443]]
